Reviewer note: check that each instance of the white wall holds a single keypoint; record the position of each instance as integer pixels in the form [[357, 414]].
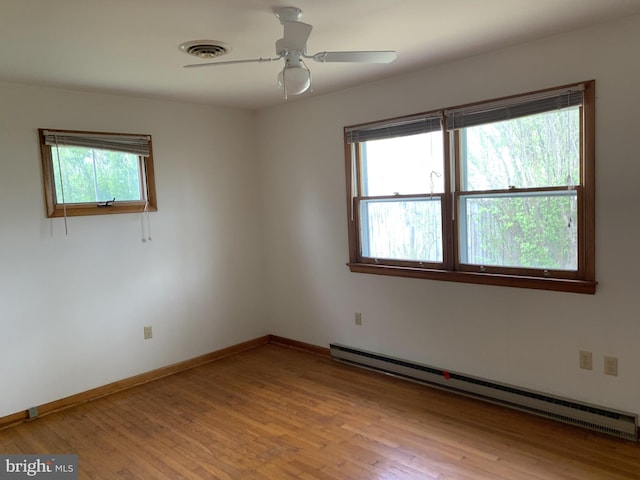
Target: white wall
[[72, 308], [528, 338]]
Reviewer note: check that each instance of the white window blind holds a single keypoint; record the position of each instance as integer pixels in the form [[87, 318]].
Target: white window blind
[[135, 144], [391, 129], [507, 109]]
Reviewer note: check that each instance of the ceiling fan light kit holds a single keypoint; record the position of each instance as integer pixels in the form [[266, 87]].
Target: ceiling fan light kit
[[295, 77], [294, 80]]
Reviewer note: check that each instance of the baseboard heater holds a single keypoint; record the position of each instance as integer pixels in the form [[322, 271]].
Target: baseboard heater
[[604, 420]]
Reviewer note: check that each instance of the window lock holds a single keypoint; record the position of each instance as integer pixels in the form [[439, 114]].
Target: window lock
[[108, 203]]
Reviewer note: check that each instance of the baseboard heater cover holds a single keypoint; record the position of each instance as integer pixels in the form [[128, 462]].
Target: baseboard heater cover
[[601, 419]]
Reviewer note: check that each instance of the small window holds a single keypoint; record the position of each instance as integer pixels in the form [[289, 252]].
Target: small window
[[89, 173], [499, 192]]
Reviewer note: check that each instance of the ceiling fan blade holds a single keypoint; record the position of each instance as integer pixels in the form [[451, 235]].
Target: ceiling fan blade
[[231, 62], [295, 37], [382, 56]]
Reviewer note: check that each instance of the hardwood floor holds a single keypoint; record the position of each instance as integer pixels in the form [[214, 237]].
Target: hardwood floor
[[278, 413]]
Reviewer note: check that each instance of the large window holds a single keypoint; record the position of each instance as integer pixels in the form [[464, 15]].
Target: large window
[[498, 192], [88, 173]]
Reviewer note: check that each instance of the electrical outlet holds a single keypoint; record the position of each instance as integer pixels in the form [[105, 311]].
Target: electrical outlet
[[148, 332], [611, 366], [358, 318], [586, 360], [32, 412]]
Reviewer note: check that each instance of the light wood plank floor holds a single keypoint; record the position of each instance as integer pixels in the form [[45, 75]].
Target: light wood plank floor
[[279, 413]]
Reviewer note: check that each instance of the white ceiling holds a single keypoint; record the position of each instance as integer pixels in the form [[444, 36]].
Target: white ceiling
[[131, 46]]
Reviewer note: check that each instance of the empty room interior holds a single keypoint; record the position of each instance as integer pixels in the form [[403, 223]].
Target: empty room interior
[[383, 239]]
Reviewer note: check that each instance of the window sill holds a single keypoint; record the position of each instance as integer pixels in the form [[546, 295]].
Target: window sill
[[77, 210], [555, 284]]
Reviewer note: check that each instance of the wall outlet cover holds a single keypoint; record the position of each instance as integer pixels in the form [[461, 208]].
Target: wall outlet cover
[[611, 366], [586, 360]]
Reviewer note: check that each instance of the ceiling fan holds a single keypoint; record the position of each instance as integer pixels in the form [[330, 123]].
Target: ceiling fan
[[295, 77]]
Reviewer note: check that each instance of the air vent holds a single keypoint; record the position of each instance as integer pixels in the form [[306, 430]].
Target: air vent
[[205, 48]]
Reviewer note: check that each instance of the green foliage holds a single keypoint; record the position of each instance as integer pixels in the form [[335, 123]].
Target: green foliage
[[529, 152], [92, 176], [523, 229], [507, 217]]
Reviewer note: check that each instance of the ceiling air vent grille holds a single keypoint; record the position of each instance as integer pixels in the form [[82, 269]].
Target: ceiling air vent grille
[[205, 48]]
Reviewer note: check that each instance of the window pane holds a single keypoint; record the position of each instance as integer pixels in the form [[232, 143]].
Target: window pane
[[404, 165], [540, 150], [92, 176], [402, 229], [535, 231]]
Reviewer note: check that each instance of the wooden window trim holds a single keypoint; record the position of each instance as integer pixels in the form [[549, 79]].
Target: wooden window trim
[[55, 210], [582, 282], [539, 283]]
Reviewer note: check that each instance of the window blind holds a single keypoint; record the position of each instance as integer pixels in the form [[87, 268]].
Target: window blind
[[136, 144], [391, 129], [513, 108]]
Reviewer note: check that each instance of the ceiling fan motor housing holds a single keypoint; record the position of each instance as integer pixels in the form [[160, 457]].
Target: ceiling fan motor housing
[[288, 14]]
